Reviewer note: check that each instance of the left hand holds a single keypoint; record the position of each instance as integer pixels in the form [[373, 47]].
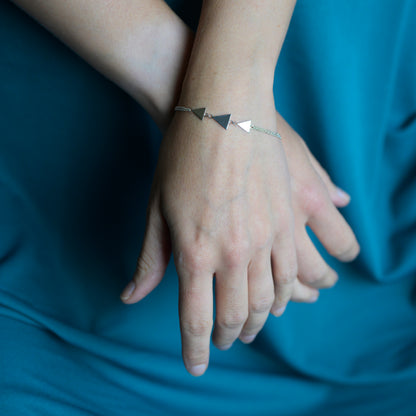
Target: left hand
[[315, 199]]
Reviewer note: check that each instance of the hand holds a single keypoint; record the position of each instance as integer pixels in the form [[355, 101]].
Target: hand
[[311, 183], [314, 201], [221, 200]]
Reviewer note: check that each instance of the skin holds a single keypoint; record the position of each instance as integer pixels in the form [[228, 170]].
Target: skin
[[222, 202], [111, 36], [229, 205]]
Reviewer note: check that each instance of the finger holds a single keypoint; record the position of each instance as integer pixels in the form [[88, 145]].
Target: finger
[[260, 295], [195, 274], [231, 291], [284, 269], [303, 293], [195, 316], [153, 259], [338, 196], [313, 271], [334, 232]]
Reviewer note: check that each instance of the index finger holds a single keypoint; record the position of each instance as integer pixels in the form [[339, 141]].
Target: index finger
[[334, 233]]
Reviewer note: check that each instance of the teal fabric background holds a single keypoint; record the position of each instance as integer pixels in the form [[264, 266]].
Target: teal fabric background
[[76, 160]]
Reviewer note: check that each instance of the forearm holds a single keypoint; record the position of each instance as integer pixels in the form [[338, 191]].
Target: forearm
[[235, 52], [142, 46]]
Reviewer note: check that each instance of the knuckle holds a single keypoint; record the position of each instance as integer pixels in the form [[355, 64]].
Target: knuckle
[[262, 236], [233, 321], [144, 263], [197, 327], [193, 259], [286, 225], [262, 241], [287, 275], [313, 200], [286, 278], [236, 253], [262, 304]]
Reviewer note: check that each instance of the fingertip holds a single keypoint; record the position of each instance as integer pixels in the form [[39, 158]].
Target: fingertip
[[278, 311], [358, 250], [224, 347], [128, 291], [197, 370], [313, 297], [350, 254], [139, 288], [340, 198], [247, 339]]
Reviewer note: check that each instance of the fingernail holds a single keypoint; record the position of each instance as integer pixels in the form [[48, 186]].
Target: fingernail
[[128, 291], [198, 370], [314, 297], [278, 311], [342, 195], [224, 347], [247, 338]]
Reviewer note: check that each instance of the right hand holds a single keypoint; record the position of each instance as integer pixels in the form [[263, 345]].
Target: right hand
[[236, 239], [221, 200]]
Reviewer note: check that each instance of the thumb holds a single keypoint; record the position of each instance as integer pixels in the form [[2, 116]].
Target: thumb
[[153, 259]]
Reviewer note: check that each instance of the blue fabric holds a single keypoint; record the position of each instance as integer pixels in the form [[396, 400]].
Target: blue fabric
[[76, 160]]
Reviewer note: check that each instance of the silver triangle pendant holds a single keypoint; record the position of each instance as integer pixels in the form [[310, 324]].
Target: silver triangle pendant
[[245, 125], [199, 112], [223, 120]]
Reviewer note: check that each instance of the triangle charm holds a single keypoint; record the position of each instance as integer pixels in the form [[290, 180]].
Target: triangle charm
[[245, 125], [223, 120], [199, 112]]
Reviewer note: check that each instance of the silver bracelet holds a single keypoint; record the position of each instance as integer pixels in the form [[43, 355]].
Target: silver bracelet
[[224, 121]]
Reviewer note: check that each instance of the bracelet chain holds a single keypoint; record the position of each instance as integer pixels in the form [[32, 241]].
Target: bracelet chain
[[224, 120]]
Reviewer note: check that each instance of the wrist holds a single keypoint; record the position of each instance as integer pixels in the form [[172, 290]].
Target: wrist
[[231, 68], [238, 43], [244, 96], [217, 74]]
